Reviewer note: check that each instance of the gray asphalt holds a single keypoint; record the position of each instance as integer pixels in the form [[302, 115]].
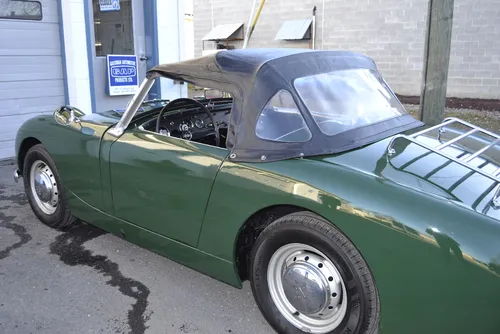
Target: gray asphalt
[[87, 281]]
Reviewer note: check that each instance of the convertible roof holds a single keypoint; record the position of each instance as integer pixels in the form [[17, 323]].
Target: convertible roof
[[253, 76], [237, 65]]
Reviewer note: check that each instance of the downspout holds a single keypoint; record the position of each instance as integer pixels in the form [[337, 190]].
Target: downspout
[[249, 23], [323, 25], [314, 28], [212, 5], [252, 27]]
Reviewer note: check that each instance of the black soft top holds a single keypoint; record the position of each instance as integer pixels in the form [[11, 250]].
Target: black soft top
[[253, 76]]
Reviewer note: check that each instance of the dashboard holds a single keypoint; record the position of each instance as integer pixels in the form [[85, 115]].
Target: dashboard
[[190, 124]]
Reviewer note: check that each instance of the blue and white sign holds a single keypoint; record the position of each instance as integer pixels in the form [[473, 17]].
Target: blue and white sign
[[122, 75], [109, 5]]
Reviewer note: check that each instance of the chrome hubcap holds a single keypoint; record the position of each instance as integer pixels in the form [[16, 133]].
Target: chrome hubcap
[[307, 288], [44, 187]]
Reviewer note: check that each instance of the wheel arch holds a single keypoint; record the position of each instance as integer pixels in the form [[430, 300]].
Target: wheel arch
[[26, 144], [253, 227]]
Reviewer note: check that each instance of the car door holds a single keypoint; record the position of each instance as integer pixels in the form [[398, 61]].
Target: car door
[[163, 183]]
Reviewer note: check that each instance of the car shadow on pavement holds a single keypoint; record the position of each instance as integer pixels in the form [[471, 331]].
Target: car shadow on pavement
[[69, 247]]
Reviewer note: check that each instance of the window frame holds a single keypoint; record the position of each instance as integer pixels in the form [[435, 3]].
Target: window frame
[[40, 18]]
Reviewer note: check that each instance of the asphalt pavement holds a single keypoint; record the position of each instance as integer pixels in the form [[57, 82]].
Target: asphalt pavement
[[88, 281]]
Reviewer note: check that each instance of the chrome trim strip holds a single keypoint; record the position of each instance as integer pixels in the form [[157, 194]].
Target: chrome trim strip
[[132, 108]]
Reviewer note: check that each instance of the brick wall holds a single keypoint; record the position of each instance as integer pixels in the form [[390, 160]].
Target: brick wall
[[390, 31]]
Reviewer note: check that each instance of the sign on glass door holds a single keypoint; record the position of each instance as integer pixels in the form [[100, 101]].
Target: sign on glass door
[[122, 75], [109, 5]]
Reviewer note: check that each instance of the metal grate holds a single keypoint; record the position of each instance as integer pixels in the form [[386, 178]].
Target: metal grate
[[462, 159]]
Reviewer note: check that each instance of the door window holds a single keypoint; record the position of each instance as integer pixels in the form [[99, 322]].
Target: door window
[[113, 27]]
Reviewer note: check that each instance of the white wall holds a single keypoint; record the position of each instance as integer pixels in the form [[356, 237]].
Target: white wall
[[390, 31], [188, 29], [171, 43], [75, 41]]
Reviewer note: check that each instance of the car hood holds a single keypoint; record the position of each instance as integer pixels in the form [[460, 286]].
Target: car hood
[[146, 106], [115, 114], [415, 167]]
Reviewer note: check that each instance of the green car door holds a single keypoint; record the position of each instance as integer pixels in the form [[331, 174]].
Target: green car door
[[163, 183]]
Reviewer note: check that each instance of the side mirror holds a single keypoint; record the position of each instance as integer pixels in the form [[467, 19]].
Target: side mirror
[[66, 115]]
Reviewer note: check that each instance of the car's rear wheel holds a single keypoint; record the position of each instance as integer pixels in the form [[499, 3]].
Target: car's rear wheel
[[44, 189], [307, 277]]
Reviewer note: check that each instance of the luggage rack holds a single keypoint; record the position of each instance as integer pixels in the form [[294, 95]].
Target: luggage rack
[[463, 159]]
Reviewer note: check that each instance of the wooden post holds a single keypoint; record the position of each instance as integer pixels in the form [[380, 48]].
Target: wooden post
[[436, 61]]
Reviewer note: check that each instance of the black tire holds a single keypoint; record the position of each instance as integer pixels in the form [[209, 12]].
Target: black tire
[[62, 216], [363, 308]]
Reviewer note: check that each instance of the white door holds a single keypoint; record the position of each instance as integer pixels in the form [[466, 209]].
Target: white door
[[116, 32]]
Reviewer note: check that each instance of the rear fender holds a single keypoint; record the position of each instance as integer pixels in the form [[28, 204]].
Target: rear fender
[[423, 251]]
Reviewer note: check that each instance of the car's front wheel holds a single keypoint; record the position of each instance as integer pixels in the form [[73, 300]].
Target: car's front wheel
[[44, 189], [307, 277]]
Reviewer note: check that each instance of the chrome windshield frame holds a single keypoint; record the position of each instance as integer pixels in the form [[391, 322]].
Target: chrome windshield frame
[[132, 108]]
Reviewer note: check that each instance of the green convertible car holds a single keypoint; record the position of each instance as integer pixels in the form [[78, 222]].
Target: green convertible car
[[309, 179]]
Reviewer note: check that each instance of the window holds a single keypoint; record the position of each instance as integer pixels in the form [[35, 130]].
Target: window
[[113, 28], [20, 10], [281, 120], [348, 99]]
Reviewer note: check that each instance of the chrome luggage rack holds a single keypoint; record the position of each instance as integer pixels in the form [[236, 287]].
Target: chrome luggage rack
[[462, 159]]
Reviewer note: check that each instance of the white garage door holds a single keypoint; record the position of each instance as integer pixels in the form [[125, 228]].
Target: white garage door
[[31, 77]]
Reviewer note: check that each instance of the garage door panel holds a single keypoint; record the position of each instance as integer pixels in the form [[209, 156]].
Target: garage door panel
[[49, 11], [46, 68], [31, 88], [30, 105], [21, 94], [30, 84], [31, 75], [27, 110], [43, 40], [42, 61], [10, 124], [7, 148]]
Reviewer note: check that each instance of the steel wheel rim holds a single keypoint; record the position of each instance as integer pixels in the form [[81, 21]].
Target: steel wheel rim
[[43, 187], [320, 317]]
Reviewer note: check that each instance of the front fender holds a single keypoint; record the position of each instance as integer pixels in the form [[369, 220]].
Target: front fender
[[75, 149]]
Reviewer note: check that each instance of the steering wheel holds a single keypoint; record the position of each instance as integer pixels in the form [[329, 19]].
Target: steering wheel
[[172, 103]]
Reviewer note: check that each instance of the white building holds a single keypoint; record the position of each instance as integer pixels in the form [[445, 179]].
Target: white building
[[53, 52]]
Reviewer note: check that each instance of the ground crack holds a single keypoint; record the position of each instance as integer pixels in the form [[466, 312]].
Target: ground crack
[[6, 222], [69, 247], [20, 231]]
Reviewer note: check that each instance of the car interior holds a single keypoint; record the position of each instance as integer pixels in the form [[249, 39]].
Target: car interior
[[206, 119], [203, 120]]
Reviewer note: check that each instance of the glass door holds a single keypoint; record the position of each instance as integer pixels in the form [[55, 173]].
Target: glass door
[[118, 29]]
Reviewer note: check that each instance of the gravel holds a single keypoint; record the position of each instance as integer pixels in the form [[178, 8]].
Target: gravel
[[489, 120]]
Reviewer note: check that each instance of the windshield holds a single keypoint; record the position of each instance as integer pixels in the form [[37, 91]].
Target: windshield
[[145, 106], [343, 100]]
